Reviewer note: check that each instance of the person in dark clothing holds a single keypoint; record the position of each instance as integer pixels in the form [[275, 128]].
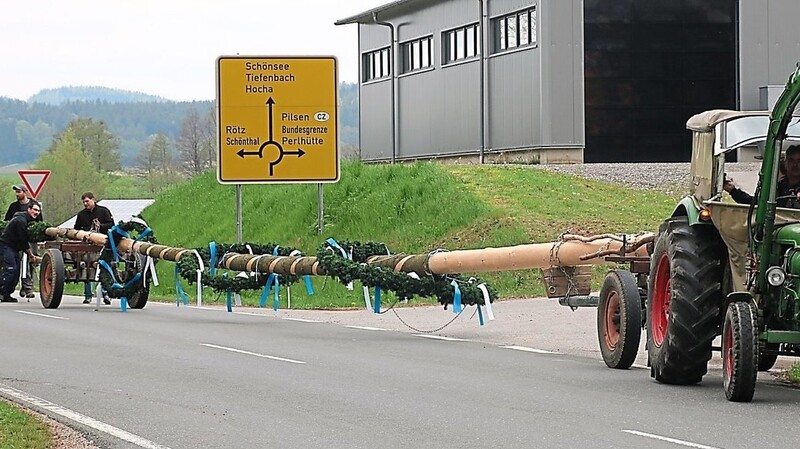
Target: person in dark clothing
[[788, 186], [94, 218], [21, 205], [13, 240]]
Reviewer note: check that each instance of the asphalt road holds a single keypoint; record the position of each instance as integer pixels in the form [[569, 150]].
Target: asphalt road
[[203, 378]]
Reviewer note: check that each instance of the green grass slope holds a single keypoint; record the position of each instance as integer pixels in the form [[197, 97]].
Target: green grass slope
[[412, 208]]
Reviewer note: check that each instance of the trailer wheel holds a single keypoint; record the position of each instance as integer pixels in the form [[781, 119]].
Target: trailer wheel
[[683, 300], [739, 352], [619, 319], [51, 279]]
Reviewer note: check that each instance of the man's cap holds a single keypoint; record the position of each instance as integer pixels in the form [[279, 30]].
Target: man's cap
[[20, 188]]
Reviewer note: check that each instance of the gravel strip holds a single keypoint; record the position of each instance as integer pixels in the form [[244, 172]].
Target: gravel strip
[[671, 178]]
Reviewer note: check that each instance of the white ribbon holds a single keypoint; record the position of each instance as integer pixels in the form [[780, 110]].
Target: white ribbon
[[23, 266], [199, 278], [486, 301]]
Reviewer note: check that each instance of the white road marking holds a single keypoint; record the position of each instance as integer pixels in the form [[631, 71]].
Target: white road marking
[[42, 315], [525, 349], [302, 320], [81, 419], [239, 351], [636, 365], [250, 314], [439, 337], [669, 440], [366, 328]]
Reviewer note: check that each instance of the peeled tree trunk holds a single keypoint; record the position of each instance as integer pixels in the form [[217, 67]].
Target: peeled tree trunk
[[570, 250]]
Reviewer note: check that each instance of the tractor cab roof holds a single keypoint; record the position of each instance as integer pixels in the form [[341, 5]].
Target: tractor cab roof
[[735, 129]]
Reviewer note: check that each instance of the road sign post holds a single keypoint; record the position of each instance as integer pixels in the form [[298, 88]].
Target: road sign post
[[277, 120]]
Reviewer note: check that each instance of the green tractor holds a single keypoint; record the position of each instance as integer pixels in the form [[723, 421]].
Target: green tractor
[[722, 268]]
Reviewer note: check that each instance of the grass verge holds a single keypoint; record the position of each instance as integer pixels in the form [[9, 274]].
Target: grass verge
[[19, 430]]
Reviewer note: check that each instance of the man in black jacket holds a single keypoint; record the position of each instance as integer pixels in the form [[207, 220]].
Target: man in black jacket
[[787, 189], [13, 240], [21, 205], [95, 218]]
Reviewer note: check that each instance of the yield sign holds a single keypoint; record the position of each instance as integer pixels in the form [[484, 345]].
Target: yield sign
[[34, 180]]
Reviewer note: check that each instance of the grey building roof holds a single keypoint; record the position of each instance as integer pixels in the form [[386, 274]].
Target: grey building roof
[[121, 210], [366, 16]]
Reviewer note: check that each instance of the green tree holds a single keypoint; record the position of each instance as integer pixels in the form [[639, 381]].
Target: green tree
[[209, 136], [97, 142], [72, 173], [156, 163], [190, 149]]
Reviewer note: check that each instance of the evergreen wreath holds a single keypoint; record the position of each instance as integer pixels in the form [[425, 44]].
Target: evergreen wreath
[[222, 282], [403, 285]]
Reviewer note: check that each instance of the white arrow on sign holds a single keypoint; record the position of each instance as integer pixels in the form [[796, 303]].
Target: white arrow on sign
[[34, 180]]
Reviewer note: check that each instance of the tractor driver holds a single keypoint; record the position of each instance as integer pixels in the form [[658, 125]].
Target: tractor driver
[[788, 185]]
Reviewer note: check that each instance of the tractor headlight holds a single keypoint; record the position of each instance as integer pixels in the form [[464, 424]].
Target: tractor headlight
[[776, 276]]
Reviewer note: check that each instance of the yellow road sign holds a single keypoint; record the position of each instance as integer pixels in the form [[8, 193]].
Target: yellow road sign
[[277, 119]]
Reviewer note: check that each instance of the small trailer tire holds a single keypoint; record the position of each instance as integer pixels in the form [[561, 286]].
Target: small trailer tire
[[51, 279], [619, 319]]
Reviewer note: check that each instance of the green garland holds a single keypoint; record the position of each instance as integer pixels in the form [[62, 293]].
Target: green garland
[[403, 285], [221, 282], [35, 230]]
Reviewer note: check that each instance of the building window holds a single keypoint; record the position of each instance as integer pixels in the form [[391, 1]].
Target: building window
[[461, 43], [376, 65], [514, 30], [416, 54]]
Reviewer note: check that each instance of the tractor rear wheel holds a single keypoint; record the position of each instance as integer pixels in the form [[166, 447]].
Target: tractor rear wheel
[[619, 319], [683, 300], [739, 352], [51, 279]]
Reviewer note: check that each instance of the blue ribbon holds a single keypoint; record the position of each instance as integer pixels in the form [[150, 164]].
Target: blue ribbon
[[309, 287], [276, 301], [228, 300], [113, 245], [179, 293], [480, 315], [123, 304], [456, 297], [377, 306], [111, 232], [275, 251], [212, 247], [144, 234], [267, 288], [106, 267], [333, 244]]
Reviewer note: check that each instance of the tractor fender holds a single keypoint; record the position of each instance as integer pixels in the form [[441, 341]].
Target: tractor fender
[[736, 297], [688, 207]]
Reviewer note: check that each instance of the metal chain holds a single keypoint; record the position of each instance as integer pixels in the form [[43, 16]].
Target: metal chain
[[554, 261], [419, 330]]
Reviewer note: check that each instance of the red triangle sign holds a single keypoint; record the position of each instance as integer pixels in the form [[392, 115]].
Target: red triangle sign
[[34, 180]]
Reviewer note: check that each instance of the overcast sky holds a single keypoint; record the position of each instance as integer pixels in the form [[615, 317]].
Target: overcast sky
[[163, 47]]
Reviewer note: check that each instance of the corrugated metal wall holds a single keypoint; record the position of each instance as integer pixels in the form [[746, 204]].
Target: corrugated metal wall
[[769, 49], [439, 110]]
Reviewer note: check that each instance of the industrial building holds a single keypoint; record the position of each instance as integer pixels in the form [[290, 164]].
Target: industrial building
[[562, 80]]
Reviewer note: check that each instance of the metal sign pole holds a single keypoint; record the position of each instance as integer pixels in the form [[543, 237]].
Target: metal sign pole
[[320, 209], [238, 213]]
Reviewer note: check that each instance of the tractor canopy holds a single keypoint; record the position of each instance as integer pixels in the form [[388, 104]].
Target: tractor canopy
[[719, 131]]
